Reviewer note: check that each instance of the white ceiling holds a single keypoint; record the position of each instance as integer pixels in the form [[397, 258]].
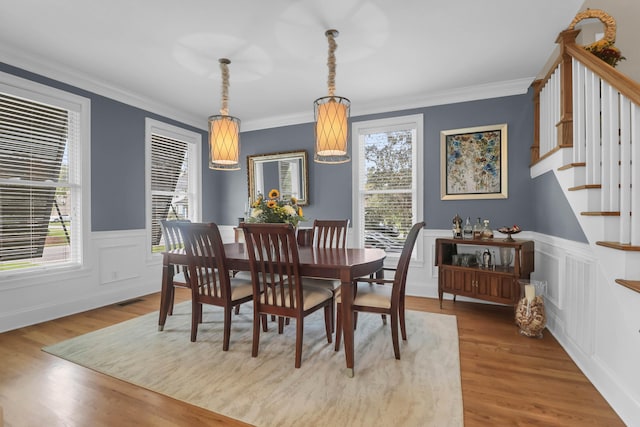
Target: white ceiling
[[162, 55]]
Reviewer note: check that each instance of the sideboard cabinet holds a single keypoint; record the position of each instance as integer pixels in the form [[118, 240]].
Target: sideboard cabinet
[[496, 283]]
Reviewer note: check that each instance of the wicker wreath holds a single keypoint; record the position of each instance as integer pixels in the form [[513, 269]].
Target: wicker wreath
[[609, 27]]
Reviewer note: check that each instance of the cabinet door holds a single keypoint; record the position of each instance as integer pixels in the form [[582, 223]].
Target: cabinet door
[[457, 281], [497, 287]]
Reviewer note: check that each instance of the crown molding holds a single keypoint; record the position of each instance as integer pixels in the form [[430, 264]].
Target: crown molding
[[451, 96], [99, 87], [103, 88]]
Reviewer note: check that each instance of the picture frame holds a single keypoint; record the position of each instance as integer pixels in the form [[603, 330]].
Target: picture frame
[[474, 163]]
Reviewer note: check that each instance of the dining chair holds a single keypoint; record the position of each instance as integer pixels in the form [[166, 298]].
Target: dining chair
[[328, 234], [384, 296], [277, 285], [209, 276], [173, 241]]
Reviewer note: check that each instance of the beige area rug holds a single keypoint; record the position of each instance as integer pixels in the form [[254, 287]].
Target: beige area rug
[[421, 389]]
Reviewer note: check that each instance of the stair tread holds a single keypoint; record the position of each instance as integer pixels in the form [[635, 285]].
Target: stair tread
[[585, 187], [600, 213], [634, 285], [619, 246], [572, 165]]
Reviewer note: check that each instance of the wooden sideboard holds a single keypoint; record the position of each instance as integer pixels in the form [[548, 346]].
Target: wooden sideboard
[[497, 283]]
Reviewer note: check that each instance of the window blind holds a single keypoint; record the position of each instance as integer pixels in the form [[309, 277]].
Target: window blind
[[36, 191], [169, 183], [387, 188]]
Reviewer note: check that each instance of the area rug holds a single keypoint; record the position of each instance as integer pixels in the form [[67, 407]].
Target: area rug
[[421, 389]]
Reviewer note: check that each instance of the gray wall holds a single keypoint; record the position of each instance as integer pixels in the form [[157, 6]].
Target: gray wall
[[117, 168]]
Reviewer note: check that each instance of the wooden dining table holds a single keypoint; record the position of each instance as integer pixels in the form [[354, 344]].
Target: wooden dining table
[[331, 263]]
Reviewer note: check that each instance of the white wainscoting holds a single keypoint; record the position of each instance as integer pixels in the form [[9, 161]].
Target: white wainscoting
[[119, 267]]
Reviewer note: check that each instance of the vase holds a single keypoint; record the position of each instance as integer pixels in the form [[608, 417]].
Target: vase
[[506, 257], [530, 313]]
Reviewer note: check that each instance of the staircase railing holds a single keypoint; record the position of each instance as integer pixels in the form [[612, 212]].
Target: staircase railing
[[585, 104]]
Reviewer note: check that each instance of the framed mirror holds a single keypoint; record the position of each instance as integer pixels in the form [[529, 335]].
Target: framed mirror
[[286, 171]]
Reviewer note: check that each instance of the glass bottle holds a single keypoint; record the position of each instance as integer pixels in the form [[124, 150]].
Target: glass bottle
[[477, 229], [487, 232], [457, 227], [467, 231]]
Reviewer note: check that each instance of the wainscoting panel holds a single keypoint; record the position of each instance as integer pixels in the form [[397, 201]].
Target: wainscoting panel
[[580, 277], [118, 263]]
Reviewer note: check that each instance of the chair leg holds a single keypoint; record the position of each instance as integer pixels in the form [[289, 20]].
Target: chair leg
[[394, 335], [281, 321], [238, 309], [328, 321], [384, 319], [333, 309], [195, 310], [257, 318], [403, 325], [264, 322], [299, 330], [171, 298], [338, 326], [227, 328]]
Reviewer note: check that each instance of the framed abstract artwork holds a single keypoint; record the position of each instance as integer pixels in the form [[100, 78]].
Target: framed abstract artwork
[[474, 163]]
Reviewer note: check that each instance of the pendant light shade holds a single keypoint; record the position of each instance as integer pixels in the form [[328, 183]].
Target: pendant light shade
[[331, 115], [224, 131]]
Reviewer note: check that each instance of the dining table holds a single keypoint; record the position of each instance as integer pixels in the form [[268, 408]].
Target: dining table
[[345, 264]]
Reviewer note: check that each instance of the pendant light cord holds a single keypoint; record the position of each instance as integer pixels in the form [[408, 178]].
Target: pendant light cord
[[224, 110], [331, 62]]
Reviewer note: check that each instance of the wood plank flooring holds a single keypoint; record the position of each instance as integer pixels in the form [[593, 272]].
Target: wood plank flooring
[[507, 379]]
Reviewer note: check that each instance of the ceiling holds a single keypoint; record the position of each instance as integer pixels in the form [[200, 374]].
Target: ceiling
[[162, 55]]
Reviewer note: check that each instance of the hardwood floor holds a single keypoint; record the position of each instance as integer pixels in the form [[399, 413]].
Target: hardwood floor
[[507, 379]]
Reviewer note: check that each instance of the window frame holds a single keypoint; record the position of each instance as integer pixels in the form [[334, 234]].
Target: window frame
[[358, 130], [194, 142], [80, 158]]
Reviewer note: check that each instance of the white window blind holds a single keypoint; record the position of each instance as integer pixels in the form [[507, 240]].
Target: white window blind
[[170, 162], [387, 202], [39, 184]]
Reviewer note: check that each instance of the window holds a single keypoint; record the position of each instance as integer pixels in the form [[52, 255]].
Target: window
[[387, 171], [43, 141], [173, 156]]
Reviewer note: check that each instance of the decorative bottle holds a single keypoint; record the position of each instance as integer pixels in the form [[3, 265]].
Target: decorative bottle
[[457, 227], [467, 231], [477, 229], [487, 232]]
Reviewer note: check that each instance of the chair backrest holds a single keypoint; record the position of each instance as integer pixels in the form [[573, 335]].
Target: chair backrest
[[330, 233], [207, 263], [274, 263], [402, 269], [172, 235]]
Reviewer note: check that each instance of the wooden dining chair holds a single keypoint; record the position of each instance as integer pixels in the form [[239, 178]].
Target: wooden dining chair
[[277, 285], [384, 296], [328, 234], [209, 276], [173, 241]]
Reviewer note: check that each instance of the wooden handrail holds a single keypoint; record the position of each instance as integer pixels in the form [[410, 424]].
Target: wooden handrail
[[621, 82], [570, 49]]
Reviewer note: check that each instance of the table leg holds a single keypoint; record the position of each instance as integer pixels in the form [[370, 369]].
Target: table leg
[[165, 300], [346, 290]]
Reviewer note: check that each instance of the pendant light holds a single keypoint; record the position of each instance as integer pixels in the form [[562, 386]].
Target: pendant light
[[224, 130], [331, 115]]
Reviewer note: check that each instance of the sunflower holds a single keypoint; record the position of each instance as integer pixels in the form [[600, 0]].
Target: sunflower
[[274, 194], [300, 213], [272, 204]]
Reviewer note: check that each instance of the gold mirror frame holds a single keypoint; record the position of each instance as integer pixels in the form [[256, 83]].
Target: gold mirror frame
[[256, 162]]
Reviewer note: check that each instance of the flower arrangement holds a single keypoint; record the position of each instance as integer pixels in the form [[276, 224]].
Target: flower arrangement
[[606, 51], [275, 210], [603, 48]]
